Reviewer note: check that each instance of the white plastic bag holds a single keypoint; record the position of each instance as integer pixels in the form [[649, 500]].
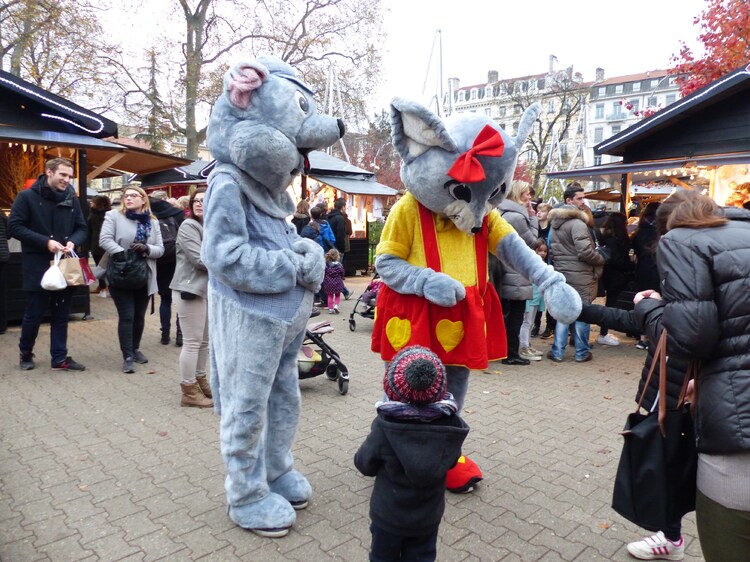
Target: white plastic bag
[[53, 279]]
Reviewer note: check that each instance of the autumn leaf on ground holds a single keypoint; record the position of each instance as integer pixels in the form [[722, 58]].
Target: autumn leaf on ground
[[161, 433], [604, 525]]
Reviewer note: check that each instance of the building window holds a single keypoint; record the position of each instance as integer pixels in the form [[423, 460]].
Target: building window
[[540, 84], [460, 96], [488, 91], [652, 101], [597, 160], [670, 99], [602, 91], [615, 129], [517, 108], [618, 89], [636, 86], [488, 112], [635, 102], [598, 134], [672, 81], [655, 83], [550, 106], [473, 94], [563, 149], [617, 108], [501, 111], [599, 111]]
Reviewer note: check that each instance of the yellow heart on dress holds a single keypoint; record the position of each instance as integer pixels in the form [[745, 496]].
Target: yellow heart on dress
[[449, 334], [398, 332]]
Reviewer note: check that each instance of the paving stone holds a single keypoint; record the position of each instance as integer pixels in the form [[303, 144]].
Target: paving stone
[[109, 467]]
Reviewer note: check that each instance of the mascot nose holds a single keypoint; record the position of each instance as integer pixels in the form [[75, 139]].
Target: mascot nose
[[342, 128], [476, 229]]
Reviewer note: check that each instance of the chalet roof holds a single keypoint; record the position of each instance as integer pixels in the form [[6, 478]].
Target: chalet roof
[[31, 107], [733, 86]]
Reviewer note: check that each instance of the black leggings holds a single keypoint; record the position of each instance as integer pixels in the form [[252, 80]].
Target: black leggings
[[513, 315], [131, 311]]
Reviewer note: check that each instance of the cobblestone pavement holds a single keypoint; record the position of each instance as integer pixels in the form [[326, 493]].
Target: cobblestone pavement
[[105, 466]]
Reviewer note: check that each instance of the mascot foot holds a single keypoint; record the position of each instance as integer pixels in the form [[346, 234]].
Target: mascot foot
[[463, 476], [270, 517], [293, 487]]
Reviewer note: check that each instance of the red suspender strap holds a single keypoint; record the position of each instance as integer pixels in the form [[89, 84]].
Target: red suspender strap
[[429, 238], [480, 246]]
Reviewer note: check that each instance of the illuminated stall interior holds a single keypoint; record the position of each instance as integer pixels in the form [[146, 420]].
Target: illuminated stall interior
[[700, 142]]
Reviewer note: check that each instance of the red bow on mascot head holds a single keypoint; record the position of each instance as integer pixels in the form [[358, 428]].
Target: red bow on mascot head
[[466, 168]]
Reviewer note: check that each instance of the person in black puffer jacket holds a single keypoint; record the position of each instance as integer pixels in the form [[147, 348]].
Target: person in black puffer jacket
[[704, 266]]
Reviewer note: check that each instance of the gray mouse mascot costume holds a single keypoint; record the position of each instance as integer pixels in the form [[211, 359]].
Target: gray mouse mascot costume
[[433, 252], [261, 281]]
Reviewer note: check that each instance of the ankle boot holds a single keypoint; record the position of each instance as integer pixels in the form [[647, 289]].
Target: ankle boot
[[192, 396], [205, 386]]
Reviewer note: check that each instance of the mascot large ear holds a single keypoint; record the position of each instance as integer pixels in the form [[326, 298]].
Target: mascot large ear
[[415, 129], [240, 82], [527, 121]]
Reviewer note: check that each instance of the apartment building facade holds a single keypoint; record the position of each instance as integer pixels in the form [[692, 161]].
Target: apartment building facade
[[578, 115]]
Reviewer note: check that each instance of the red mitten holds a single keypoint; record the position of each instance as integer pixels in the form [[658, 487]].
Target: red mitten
[[462, 477]]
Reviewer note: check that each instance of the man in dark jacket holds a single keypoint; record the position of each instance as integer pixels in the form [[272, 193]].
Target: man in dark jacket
[[574, 255], [47, 218], [342, 228], [170, 218]]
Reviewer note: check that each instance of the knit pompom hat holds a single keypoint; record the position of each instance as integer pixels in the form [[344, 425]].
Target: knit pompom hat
[[415, 376]]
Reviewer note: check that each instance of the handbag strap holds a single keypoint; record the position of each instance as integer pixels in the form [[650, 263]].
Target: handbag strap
[[659, 353]]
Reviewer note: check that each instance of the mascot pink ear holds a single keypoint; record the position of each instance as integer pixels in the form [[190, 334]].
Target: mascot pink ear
[[241, 84]]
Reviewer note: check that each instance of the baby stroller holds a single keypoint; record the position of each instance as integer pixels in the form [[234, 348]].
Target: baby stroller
[[365, 305], [317, 357]]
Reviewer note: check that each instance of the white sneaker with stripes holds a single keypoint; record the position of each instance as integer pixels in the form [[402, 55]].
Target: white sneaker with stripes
[[657, 547]]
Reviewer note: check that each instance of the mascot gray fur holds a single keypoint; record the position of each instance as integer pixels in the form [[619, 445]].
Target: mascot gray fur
[[261, 281], [432, 255]]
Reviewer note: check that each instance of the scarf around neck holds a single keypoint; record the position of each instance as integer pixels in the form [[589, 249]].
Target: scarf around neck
[[143, 228], [424, 412]]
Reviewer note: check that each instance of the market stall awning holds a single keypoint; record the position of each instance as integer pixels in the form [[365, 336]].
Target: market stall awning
[[52, 138], [606, 172], [355, 186]]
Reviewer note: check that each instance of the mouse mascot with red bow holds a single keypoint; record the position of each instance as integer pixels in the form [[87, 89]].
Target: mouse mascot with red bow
[[433, 252]]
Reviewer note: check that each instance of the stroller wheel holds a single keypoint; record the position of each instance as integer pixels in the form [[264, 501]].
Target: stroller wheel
[[332, 372], [352, 324], [343, 385]]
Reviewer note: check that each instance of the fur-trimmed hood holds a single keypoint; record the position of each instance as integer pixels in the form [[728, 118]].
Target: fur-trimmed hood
[[559, 215]]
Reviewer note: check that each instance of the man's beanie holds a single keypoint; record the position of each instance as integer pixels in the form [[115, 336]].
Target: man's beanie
[[415, 376]]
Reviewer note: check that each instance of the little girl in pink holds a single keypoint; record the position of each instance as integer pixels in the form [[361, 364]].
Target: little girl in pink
[[333, 282]]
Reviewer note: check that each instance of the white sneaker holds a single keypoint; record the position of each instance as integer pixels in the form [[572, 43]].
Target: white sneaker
[[526, 353], [657, 547], [609, 339], [104, 293]]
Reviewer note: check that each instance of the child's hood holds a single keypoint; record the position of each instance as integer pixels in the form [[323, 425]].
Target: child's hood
[[426, 450]]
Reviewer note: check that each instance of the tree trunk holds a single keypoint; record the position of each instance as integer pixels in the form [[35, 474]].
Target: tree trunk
[[193, 63]]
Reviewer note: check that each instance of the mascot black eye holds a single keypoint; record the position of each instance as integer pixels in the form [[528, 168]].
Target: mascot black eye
[[304, 105], [459, 191]]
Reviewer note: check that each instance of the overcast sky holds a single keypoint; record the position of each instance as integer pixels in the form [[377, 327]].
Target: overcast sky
[[516, 38]]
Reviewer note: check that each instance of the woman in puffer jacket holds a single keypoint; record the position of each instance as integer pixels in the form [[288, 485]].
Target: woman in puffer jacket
[[668, 540], [704, 267]]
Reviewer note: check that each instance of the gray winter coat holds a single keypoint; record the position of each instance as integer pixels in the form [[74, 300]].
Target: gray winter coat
[[706, 310], [190, 274], [573, 250], [118, 233], [508, 282]]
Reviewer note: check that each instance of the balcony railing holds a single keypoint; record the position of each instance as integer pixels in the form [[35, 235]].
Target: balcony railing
[[617, 116]]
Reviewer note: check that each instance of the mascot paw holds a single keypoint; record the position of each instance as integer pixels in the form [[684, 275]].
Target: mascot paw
[[311, 263], [463, 476], [443, 290], [562, 301], [293, 487], [270, 517]]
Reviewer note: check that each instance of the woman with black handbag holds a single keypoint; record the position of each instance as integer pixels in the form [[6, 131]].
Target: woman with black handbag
[[132, 239], [704, 267], [190, 293]]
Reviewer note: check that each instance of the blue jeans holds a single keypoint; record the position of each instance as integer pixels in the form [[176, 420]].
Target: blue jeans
[[36, 304], [581, 332]]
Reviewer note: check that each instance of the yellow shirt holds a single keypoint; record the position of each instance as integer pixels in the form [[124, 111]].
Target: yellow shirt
[[402, 237]]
